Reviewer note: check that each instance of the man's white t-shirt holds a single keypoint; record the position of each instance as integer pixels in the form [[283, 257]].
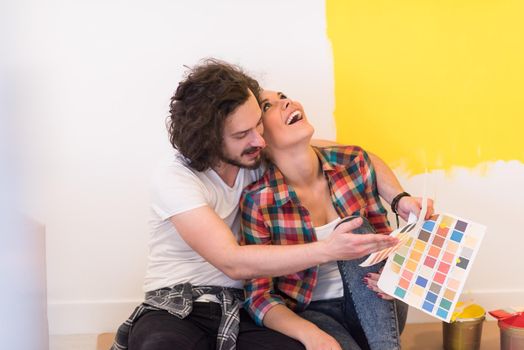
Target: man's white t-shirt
[[176, 188]]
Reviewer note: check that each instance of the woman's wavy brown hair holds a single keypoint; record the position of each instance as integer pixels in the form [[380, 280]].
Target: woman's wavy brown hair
[[210, 92]]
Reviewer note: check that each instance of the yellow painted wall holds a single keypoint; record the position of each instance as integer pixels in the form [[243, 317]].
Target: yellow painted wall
[[430, 83]]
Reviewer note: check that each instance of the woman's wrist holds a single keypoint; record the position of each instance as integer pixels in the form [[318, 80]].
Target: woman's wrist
[[307, 331], [396, 200]]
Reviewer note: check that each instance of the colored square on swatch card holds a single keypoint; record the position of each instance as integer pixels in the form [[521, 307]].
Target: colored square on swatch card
[[462, 262], [395, 268], [403, 283], [399, 259], [399, 292], [421, 281], [466, 252], [413, 299], [440, 278], [434, 252], [417, 290], [457, 273], [446, 221], [448, 257], [461, 226], [403, 250], [411, 265], [430, 262], [428, 306], [452, 247], [424, 235], [425, 272], [438, 241], [471, 241], [453, 283], [420, 245], [428, 226], [407, 275], [445, 304], [442, 231], [457, 236], [449, 294], [415, 255], [435, 288], [431, 297], [443, 267], [442, 313]]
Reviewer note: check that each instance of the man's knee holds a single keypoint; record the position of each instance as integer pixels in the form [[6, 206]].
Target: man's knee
[[158, 330], [167, 341], [267, 341]]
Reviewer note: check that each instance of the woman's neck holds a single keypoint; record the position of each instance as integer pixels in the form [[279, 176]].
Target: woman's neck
[[299, 165]]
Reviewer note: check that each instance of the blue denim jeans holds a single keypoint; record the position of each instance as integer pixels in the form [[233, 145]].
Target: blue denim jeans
[[359, 320]]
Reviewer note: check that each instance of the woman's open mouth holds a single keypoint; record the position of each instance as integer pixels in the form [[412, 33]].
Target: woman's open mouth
[[294, 117]]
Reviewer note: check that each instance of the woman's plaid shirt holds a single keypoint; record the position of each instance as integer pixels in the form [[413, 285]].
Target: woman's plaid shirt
[[272, 214]]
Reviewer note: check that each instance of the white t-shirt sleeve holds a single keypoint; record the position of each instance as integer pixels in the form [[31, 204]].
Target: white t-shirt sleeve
[[176, 189]]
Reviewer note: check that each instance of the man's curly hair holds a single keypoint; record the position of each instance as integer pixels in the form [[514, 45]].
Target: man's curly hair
[[210, 92]]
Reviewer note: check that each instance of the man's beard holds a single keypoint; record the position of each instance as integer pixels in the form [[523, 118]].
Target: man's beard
[[236, 162]]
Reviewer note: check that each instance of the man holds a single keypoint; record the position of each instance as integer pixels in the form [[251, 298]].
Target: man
[[193, 281]]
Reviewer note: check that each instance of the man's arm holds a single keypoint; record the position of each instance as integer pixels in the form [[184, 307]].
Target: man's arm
[[207, 234]]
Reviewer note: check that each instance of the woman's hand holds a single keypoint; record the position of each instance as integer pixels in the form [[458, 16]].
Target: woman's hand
[[371, 281], [413, 205]]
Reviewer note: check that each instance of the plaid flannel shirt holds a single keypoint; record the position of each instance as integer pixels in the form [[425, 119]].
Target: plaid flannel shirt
[[178, 301], [272, 214]]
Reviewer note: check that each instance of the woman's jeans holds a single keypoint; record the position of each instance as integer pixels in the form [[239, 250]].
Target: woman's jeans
[[360, 317]]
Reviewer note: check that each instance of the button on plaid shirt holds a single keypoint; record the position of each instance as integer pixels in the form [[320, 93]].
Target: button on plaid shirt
[[272, 214]]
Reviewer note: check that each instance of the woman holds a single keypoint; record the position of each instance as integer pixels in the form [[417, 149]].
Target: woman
[[303, 195]]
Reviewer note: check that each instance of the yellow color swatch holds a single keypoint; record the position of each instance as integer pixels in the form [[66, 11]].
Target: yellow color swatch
[[430, 83]]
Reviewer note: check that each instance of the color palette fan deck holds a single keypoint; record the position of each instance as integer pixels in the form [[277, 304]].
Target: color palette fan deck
[[429, 268]]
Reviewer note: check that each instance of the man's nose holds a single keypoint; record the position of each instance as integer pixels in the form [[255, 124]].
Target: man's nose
[[259, 140]]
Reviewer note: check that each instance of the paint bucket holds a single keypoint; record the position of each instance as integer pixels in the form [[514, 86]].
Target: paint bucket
[[512, 332], [465, 330]]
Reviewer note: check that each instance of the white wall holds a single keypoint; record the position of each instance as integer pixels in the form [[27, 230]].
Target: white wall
[[22, 248], [92, 81]]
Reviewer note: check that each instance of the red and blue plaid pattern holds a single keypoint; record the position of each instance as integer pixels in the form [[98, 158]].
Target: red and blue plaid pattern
[[272, 214]]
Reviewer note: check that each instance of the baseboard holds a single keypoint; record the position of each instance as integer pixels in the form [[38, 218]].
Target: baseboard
[[88, 317]]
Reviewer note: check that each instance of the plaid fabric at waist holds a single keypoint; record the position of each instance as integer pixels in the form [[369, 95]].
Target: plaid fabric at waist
[[178, 301]]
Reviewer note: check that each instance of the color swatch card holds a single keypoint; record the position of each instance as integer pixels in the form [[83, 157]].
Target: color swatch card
[[429, 269]]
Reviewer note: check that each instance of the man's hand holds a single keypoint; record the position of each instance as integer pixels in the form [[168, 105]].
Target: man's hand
[[413, 205], [342, 244]]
